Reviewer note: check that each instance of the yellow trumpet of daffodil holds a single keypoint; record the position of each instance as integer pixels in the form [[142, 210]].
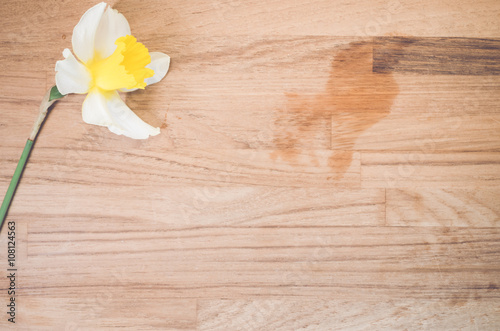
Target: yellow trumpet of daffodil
[[109, 60]]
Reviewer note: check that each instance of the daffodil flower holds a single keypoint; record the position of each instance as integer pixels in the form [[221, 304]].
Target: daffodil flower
[[109, 59]]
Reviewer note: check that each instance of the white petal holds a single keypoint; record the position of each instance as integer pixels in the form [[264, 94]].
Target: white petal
[[85, 31], [113, 25], [71, 75], [111, 111], [160, 63], [95, 109]]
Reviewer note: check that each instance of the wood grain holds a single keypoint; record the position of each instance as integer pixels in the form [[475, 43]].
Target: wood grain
[[425, 169], [196, 205], [446, 207], [237, 262], [322, 165], [331, 314]]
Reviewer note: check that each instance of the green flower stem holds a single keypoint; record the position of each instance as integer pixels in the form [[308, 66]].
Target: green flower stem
[[50, 97], [15, 181]]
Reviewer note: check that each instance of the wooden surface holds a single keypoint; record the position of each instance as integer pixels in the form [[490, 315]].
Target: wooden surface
[[322, 165]]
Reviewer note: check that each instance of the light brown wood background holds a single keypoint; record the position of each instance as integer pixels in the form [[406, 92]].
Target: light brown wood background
[[322, 165]]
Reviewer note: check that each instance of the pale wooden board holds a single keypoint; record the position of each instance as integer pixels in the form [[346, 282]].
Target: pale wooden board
[[446, 207], [430, 169], [193, 206], [304, 17], [341, 315], [86, 163], [291, 186], [236, 262], [424, 133], [111, 308]]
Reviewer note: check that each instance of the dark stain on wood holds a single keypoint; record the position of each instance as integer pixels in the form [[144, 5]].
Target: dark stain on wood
[[355, 98], [493, 286], [437, 56]]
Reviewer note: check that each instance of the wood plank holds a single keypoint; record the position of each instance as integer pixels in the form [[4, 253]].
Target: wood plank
[[441, 56], [342, 314], [193, 206], [367, 263], [434, 207], [301, 17], [423, 133], [432, 170], [105, 309], [446, 94], [98, 165]]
